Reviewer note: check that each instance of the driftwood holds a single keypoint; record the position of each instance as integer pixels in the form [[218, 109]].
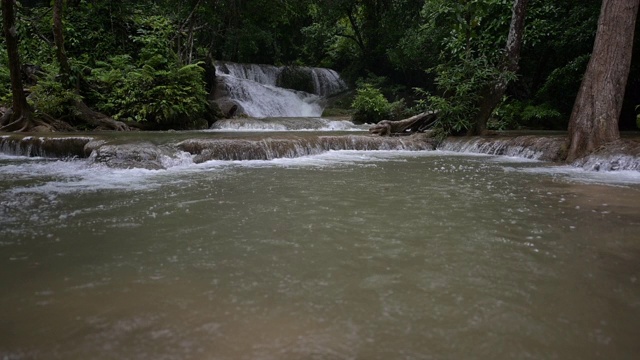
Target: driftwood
[[417, 123]]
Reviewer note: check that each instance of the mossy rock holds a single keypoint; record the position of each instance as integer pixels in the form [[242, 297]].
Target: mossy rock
[[296, 78]]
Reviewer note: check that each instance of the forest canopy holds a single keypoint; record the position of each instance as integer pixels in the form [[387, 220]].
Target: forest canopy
[[149, 62]]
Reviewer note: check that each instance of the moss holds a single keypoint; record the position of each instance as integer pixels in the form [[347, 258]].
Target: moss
[[297, 79]]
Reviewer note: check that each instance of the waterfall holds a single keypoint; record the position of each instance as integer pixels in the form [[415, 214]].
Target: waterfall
[[269, 91], [43, 146]]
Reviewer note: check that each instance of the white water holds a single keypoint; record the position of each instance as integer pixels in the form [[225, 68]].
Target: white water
[[63, 177], [254, 89], [286, 124], [260, 100], [326, 82]]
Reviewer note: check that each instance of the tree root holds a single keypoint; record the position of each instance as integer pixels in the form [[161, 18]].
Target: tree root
[[22, 120]]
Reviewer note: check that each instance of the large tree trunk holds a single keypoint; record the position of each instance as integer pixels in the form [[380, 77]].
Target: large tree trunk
[[510, 63], [20, 118], [594, 120]]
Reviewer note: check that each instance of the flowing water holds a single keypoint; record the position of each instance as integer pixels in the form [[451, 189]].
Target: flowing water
[[337, 255], [257, 92]]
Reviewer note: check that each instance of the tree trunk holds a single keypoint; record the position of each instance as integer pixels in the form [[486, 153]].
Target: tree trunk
[[417, 123], [20, 118], [58, 39], [596, 111], [510, 63]]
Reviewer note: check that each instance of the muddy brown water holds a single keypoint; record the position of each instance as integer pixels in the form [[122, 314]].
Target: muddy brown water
[[342, 255]]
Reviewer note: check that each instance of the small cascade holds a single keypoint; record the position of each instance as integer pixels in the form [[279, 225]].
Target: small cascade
[[291, 147], [164, 150], [545, 148], [270, 91], [286, 124], [263, 74], [49, 147], [326, 82], [622, 155], [156, 155]]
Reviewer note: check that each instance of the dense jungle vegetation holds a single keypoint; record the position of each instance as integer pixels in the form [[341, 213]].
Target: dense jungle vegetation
[[149, 63]]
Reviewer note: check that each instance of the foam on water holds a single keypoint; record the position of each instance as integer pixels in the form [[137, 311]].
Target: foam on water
[[285, 124], [573, 174], [55, 177]]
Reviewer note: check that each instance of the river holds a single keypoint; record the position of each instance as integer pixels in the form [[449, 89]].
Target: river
[[337, 255]]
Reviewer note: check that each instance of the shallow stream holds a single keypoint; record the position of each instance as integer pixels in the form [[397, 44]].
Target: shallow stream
[[341, 255]]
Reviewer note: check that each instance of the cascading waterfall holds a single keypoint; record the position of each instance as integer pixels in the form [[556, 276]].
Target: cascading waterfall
[[263, 90]]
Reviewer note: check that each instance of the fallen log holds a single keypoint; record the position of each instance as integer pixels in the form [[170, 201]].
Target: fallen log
[[417, 123]]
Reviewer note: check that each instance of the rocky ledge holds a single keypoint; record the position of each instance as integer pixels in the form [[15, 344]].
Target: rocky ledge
[[163, 150]]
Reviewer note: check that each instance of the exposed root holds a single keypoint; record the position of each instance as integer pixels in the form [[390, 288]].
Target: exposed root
[[22, 122]]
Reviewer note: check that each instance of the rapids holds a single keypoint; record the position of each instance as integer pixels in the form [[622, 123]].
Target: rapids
[[312, 245]]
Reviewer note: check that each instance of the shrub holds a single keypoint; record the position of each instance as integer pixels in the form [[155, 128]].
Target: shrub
[[461, 85], [519, 114], [49, 96], [153, 88], [370, 105], [5, 80], [172, 97]]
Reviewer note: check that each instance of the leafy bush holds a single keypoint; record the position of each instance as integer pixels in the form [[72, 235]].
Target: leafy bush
[[370, 105], [50, 96], [461, 85], [154, 87], [519, 114], [172, 96], [5, 80]]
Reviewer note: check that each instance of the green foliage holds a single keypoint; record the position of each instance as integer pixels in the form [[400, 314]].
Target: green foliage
[[153, 35], [5, 80], [370, 105], [99, 29], [49, 96], [561, 86], [461, 86], [526, 115], [468, 27], [638, 116], [131, 53], [168, 96], [153, 87]]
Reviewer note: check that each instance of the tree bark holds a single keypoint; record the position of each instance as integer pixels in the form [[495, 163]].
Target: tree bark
[[417, 123], [58, 39], [596, 111], [510, 63], [20, 118]]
